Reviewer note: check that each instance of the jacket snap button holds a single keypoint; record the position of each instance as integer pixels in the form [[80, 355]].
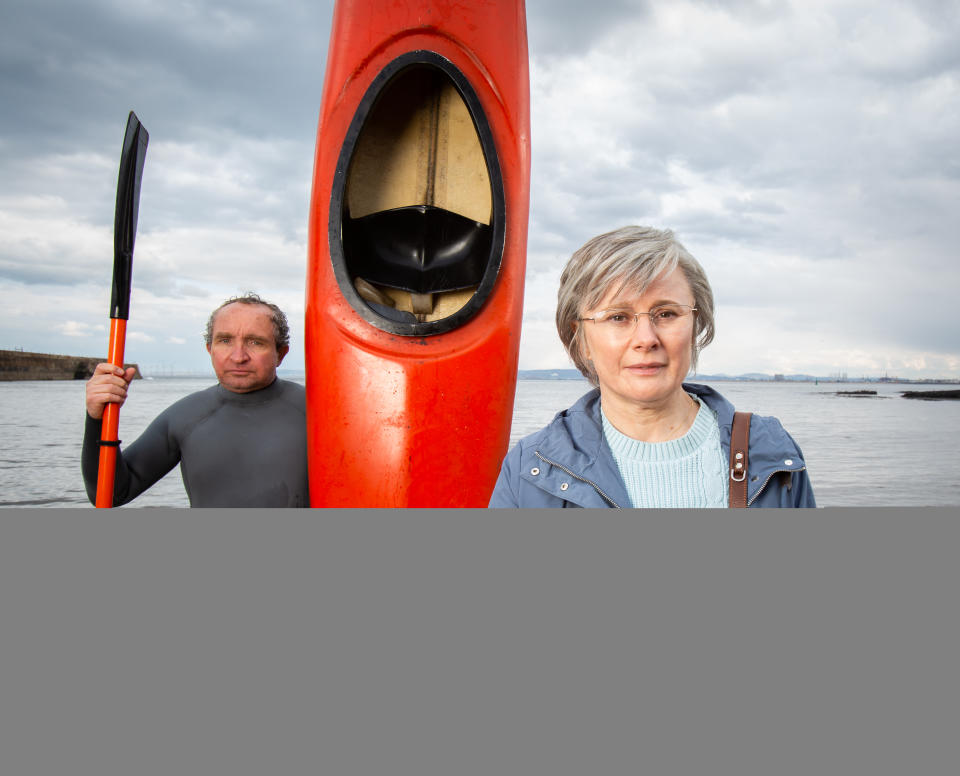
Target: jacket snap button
[[788, 462], [564, 486], [534, 471]]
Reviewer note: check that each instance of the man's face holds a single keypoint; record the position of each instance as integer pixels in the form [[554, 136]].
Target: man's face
[[243, 348]]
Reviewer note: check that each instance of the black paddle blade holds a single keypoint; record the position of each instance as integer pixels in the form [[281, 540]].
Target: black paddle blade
[[128, 205]]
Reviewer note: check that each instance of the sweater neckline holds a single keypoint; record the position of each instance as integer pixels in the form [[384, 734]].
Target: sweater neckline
[[627, 448]]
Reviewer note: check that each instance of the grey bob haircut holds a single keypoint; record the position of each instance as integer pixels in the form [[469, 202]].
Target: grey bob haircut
[[627, 259], [281, 328]]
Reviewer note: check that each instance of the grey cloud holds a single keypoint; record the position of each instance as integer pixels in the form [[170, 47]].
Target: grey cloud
[[15, 268], [563, 27], [70, 80], [824, 142]]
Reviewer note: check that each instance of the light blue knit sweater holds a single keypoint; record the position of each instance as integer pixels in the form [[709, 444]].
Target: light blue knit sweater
[[685, 472]]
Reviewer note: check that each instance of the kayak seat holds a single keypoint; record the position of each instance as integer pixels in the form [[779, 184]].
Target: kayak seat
[[421, 249], [381, 303]]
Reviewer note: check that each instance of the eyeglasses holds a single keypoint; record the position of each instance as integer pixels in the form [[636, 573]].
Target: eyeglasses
[[663, 318]]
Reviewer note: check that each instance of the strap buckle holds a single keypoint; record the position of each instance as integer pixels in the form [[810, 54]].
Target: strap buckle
[[739, 453]]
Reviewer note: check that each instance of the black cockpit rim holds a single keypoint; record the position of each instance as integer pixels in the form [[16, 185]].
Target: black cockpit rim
[[498, 211]]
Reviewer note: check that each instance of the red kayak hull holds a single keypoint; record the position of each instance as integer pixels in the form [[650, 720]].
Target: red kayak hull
[[416, 420]]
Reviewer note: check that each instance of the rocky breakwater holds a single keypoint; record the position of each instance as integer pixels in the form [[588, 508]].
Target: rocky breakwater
[[21, 365], [950, 394]]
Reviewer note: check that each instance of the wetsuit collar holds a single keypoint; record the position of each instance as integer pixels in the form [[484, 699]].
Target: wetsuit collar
[[252, 397]]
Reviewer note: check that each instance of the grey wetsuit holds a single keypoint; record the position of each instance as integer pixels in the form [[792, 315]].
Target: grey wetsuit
[[234, 449]]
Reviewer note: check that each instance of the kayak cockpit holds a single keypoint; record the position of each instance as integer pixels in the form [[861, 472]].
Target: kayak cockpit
[[417, 209]]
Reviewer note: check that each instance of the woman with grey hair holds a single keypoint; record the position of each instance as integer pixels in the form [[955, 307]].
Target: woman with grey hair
[[633, 311]]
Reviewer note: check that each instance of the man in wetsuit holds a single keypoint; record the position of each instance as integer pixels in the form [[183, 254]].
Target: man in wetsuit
[[240, 443]]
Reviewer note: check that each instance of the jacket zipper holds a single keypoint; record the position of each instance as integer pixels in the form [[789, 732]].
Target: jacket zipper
[[613, 503], [769, 477], [594, 485]]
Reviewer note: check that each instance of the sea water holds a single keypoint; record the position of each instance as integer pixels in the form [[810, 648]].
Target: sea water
[[880, 450]]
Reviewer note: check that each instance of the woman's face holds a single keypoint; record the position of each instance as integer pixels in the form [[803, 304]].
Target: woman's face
[[646, 366]]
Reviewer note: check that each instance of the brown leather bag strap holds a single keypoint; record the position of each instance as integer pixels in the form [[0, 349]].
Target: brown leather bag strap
[[739, 447]]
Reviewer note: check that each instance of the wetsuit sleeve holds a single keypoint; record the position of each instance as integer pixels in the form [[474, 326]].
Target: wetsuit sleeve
[[141, 465]]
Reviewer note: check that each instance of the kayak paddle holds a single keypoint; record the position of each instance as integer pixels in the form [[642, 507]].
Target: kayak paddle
[[124, 232]]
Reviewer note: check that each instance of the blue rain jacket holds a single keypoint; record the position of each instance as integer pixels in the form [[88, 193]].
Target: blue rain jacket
[[569, 463]]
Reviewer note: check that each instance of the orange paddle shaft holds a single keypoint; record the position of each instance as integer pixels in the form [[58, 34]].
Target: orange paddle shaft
[[111, 420]]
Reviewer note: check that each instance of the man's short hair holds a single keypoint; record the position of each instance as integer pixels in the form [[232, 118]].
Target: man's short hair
[[281, 329]]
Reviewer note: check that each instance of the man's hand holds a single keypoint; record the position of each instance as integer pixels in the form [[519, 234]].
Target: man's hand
[[107, 386]]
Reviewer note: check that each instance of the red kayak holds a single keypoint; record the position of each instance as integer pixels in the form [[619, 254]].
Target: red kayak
[[417, 251]]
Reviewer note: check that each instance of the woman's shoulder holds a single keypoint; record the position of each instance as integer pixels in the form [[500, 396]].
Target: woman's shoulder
[[722, 408], [764, 429], [568, 438], [584, 412]]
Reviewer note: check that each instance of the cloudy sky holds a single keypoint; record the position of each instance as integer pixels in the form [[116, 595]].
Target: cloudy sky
[[807, 152]]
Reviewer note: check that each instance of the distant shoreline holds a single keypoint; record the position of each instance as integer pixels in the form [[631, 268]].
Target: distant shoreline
[[21, 365], [17, 365], [753, 377]]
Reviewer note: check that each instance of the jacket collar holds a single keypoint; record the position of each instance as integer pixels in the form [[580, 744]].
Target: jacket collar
[[574, 441]]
